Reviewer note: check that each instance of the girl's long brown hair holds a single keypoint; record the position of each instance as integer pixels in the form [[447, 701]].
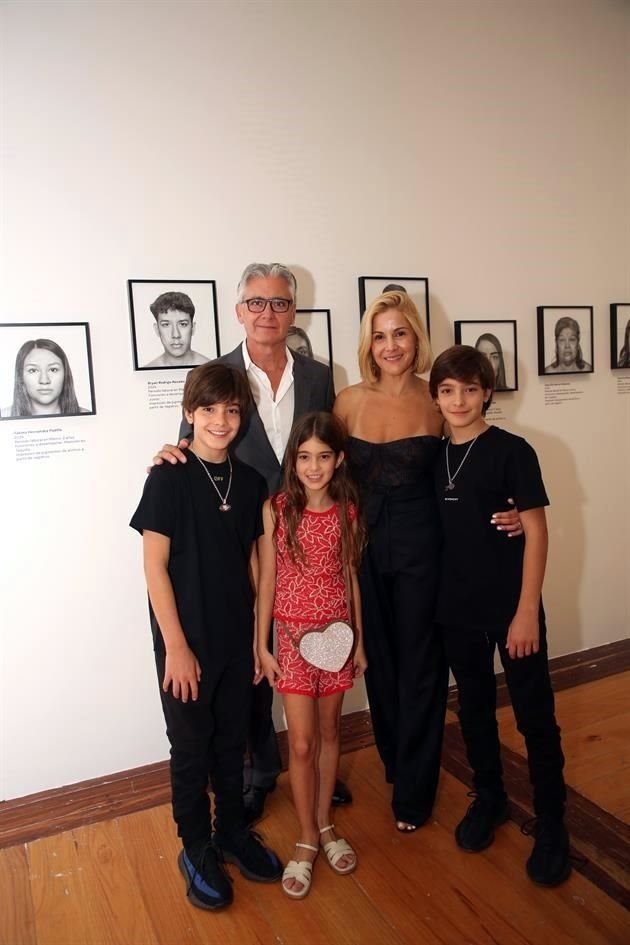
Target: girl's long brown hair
[[332, 433]]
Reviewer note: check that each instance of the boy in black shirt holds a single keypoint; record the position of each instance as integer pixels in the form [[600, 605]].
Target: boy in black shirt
[[490, 596], [200, 521]]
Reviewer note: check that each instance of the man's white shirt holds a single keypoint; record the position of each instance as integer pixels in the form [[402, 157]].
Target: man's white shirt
[[276, 412]]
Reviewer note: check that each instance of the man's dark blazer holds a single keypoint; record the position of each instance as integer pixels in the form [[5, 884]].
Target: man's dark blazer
[[313, 390]]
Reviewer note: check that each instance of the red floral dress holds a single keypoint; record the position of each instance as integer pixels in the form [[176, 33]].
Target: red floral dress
[[310, 594]]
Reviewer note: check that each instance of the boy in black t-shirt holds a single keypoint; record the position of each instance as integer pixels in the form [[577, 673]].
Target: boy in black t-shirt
[[490, 596], [199, 522]]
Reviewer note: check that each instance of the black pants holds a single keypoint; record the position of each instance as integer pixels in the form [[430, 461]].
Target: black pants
[[407, 678], [470, 655], [263, 765], [208, 741]]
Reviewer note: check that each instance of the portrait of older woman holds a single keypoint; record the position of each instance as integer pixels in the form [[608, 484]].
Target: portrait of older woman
[[568, 356], [565, 339]]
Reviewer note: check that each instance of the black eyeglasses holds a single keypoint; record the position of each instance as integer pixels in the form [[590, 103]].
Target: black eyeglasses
[[279, 306]]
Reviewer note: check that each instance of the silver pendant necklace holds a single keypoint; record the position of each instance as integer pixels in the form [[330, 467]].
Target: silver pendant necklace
[[224, 507], [451, 479]]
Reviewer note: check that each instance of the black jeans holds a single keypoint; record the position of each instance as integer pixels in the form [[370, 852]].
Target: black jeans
[[208, 741], [263, 765], [470, 654]]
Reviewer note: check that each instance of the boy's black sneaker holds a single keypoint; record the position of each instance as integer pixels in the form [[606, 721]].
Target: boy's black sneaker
[[247, 851], [476, 831], [549, 863], [209, 886]]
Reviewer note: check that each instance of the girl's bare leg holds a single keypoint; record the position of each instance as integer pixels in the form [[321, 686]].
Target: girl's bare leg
[[329, 711], [301, 713]]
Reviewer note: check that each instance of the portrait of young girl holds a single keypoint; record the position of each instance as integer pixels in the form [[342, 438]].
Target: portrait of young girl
[[38, 380]]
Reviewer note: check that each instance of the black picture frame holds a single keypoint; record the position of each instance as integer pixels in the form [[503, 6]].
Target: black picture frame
[[147, 337], [67, 349], [313, 327], [620, 336], [500, 344], [580, 350], [417, 287]]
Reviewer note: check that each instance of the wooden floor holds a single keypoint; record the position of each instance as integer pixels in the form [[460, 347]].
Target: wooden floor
[[117, 881]]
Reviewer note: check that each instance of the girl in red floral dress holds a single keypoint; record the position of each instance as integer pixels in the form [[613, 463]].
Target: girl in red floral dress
[[311, 529]]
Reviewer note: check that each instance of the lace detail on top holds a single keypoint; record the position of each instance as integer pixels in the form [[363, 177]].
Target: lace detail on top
[[381, 467], [315, 592]]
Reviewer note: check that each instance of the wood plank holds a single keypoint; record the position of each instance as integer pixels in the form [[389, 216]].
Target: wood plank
[[84, 890], [17, 922]]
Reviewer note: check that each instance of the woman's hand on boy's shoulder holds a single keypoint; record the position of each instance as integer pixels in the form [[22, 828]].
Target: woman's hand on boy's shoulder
[[170, 454]]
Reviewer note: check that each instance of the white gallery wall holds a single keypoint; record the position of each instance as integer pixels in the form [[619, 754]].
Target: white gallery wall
[[483, 144]]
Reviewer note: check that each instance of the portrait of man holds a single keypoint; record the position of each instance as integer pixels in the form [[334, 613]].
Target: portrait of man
[[174, 315], [174, 324]]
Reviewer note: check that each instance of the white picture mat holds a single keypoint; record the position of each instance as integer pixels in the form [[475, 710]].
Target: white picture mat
[[317, 327], [504, 332], [148, 344], [417, 290], [582, 316], [73, 340]]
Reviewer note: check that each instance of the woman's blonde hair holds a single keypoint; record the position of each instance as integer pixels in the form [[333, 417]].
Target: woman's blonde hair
[[402, 303]]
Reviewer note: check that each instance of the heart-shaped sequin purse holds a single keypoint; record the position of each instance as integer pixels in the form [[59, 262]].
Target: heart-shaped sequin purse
[[328, 647]]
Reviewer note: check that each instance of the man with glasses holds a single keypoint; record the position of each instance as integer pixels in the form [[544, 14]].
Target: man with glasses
[[284, 385]]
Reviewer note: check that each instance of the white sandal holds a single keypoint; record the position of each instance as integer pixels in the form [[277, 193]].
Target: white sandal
[[300, 870], [335, 850]]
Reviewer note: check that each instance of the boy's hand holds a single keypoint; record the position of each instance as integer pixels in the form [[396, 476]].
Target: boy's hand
[[359, 661], [509, 521], [172, 454], [183, 673], [269, 668], [523, 636]]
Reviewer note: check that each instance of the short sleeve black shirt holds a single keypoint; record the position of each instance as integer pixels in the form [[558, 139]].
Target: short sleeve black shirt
[[210, 550], [482, 568]]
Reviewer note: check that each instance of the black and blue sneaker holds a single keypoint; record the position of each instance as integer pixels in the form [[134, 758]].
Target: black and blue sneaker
[[209, 886], [247, 851]]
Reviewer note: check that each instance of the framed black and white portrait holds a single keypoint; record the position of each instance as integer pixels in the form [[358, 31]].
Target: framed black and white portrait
[[565, 339], [416, 287], [46, 370], [174, 323], [311, 336], [620, 335], [496, 338]]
